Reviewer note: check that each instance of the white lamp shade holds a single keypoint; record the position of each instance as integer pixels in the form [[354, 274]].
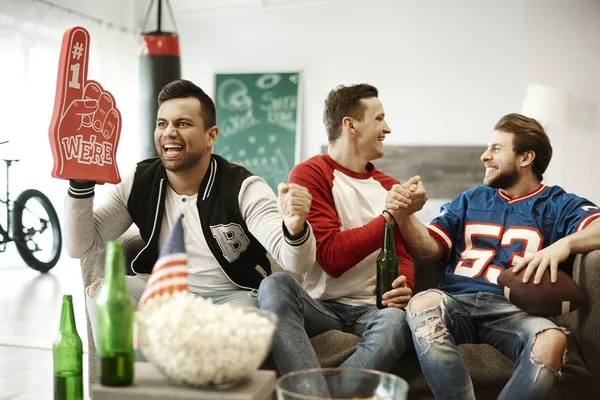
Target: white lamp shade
[[547, 104]]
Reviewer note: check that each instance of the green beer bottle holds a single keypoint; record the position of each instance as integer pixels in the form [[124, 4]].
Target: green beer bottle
[[115, 322], [67, 352], [387, 264]]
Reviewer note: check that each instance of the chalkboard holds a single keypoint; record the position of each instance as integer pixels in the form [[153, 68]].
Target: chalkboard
[[257, 116]]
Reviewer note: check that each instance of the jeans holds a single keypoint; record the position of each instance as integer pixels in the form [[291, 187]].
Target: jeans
[[385, 332], [136, 285], [478, 318]]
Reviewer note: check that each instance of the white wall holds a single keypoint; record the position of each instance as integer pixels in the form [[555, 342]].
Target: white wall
[[435, 62], [446, 70], [563, 50], [121, 13], [30, 40]]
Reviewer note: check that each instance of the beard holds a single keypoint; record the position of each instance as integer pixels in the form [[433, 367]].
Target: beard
[[505, 180]]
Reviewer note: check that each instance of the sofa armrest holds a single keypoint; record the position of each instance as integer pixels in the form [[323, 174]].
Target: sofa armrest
[[92, 269], [275, 267], [586, 321], [132, 244]]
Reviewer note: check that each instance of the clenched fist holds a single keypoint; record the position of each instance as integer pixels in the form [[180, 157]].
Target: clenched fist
[[407, 198], [294, 206], [86, 124]]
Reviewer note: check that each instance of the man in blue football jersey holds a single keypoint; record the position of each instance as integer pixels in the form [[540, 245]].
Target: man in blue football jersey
[[511, 220]]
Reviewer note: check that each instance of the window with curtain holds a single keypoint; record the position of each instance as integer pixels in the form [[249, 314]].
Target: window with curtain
[[30, 40]]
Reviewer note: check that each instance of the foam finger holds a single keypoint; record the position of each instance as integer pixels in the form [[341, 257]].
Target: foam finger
[[83, 107], [111, 124], [92, 91], [72, 66], [105, 104]]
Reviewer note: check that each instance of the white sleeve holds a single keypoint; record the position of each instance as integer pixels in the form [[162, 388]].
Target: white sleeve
[[258, 206], [88, 229]]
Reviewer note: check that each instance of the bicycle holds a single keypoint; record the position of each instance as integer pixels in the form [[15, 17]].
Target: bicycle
[[29, 224]]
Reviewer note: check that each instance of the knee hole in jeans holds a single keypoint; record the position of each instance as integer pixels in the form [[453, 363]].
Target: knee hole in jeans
[[431, 329], [424, 300], [549, 348]]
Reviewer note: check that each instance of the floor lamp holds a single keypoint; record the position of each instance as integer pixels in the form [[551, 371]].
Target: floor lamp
[[551, 107]]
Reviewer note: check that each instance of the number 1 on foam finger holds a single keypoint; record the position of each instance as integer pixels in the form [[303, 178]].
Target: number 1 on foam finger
[[76, 52], [74, 82]]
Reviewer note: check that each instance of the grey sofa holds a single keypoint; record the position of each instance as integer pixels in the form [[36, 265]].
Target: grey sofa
[[489, 369]]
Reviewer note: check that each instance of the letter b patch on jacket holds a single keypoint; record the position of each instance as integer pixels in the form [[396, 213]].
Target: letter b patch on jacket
[[232, 240]]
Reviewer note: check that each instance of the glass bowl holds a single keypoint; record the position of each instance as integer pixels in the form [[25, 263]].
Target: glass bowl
[[341, 384], [212, 355]]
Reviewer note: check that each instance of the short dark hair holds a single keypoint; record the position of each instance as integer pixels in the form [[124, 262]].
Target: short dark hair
[[529, 135], [345, 101], [181, 89]]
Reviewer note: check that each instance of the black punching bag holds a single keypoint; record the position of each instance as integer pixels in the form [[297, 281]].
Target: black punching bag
[[159, 64]]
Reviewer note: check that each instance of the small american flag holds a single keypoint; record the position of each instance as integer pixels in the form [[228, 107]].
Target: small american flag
[[170, 273]]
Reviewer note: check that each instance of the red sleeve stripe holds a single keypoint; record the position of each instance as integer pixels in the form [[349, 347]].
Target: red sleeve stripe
[[441, 235], [586, 221]]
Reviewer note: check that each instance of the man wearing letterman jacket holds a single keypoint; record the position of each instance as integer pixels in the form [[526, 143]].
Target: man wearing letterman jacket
[[230, 217]]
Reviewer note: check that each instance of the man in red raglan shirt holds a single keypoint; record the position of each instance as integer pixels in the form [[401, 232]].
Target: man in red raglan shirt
[[347, 217]]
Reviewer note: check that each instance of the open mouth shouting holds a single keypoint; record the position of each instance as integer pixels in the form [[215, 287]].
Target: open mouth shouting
[[172, 150]]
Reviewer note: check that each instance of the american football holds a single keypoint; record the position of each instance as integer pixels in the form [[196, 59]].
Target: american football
[[546, 299]]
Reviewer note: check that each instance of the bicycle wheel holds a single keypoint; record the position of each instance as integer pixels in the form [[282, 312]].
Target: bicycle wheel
[[36, 230]]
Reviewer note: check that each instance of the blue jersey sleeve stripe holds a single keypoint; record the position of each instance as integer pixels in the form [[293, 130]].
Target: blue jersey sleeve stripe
[[586, 221], [441, 235]]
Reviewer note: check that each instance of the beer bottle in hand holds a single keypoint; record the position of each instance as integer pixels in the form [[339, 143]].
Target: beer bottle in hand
[[387, 264], [115, 322], [67, 352]]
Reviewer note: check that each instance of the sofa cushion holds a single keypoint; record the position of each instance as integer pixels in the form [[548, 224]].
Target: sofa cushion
[[334, 347]]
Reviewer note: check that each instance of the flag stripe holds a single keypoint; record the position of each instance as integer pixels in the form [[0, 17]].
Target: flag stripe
[[173, 271], [157, 292], [170, 272], [171, 259], [166, 284]]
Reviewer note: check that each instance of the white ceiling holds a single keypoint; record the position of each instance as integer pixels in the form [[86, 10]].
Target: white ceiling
[[183, 9]]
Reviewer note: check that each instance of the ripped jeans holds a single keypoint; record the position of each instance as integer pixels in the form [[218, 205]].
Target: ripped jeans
[[478, 318]]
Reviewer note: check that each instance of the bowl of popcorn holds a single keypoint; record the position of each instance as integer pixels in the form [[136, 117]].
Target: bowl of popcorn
[[197, 343]]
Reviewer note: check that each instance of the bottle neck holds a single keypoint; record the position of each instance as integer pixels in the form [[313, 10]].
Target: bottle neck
[[114, 269], [67, 316], [388, 238]]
